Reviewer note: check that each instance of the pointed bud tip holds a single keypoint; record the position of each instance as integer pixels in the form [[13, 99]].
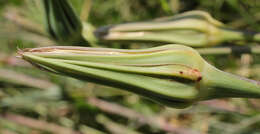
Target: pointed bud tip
[[21, 52]]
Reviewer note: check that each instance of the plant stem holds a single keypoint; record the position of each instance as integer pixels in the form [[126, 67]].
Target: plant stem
[[86, 10], [228, 50], [228, 85], [237, 35]]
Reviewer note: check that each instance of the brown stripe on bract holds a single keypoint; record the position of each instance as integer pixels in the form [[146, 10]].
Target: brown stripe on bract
[[195, 73]]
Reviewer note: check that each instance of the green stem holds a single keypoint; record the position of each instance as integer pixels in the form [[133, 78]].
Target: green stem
[[222, 84], [86, 10], [228, 50], [236, 35], [214, 51]]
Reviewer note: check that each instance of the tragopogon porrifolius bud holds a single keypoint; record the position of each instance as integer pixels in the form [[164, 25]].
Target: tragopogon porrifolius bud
[[193, 28], [173, 75]]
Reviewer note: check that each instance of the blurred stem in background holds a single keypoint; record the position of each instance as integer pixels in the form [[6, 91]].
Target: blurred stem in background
[[113, 127], [235, 50], [86, 10], [13, 15], [16, 78]]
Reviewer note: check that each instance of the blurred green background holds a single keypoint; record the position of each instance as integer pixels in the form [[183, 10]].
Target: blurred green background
[[37, 102]]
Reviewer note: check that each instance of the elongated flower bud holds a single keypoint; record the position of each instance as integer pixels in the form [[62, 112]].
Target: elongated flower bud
[[193, 28], [62, 22], [173, 75]]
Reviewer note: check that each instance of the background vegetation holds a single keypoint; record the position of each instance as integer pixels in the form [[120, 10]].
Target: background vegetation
[[38, 102]]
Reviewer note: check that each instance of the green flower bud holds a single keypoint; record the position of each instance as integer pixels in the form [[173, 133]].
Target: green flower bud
[[173, 75], [193, 28]]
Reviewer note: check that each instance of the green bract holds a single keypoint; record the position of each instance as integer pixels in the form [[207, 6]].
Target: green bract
[[193, 28], [173, 75], [62, 22]]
